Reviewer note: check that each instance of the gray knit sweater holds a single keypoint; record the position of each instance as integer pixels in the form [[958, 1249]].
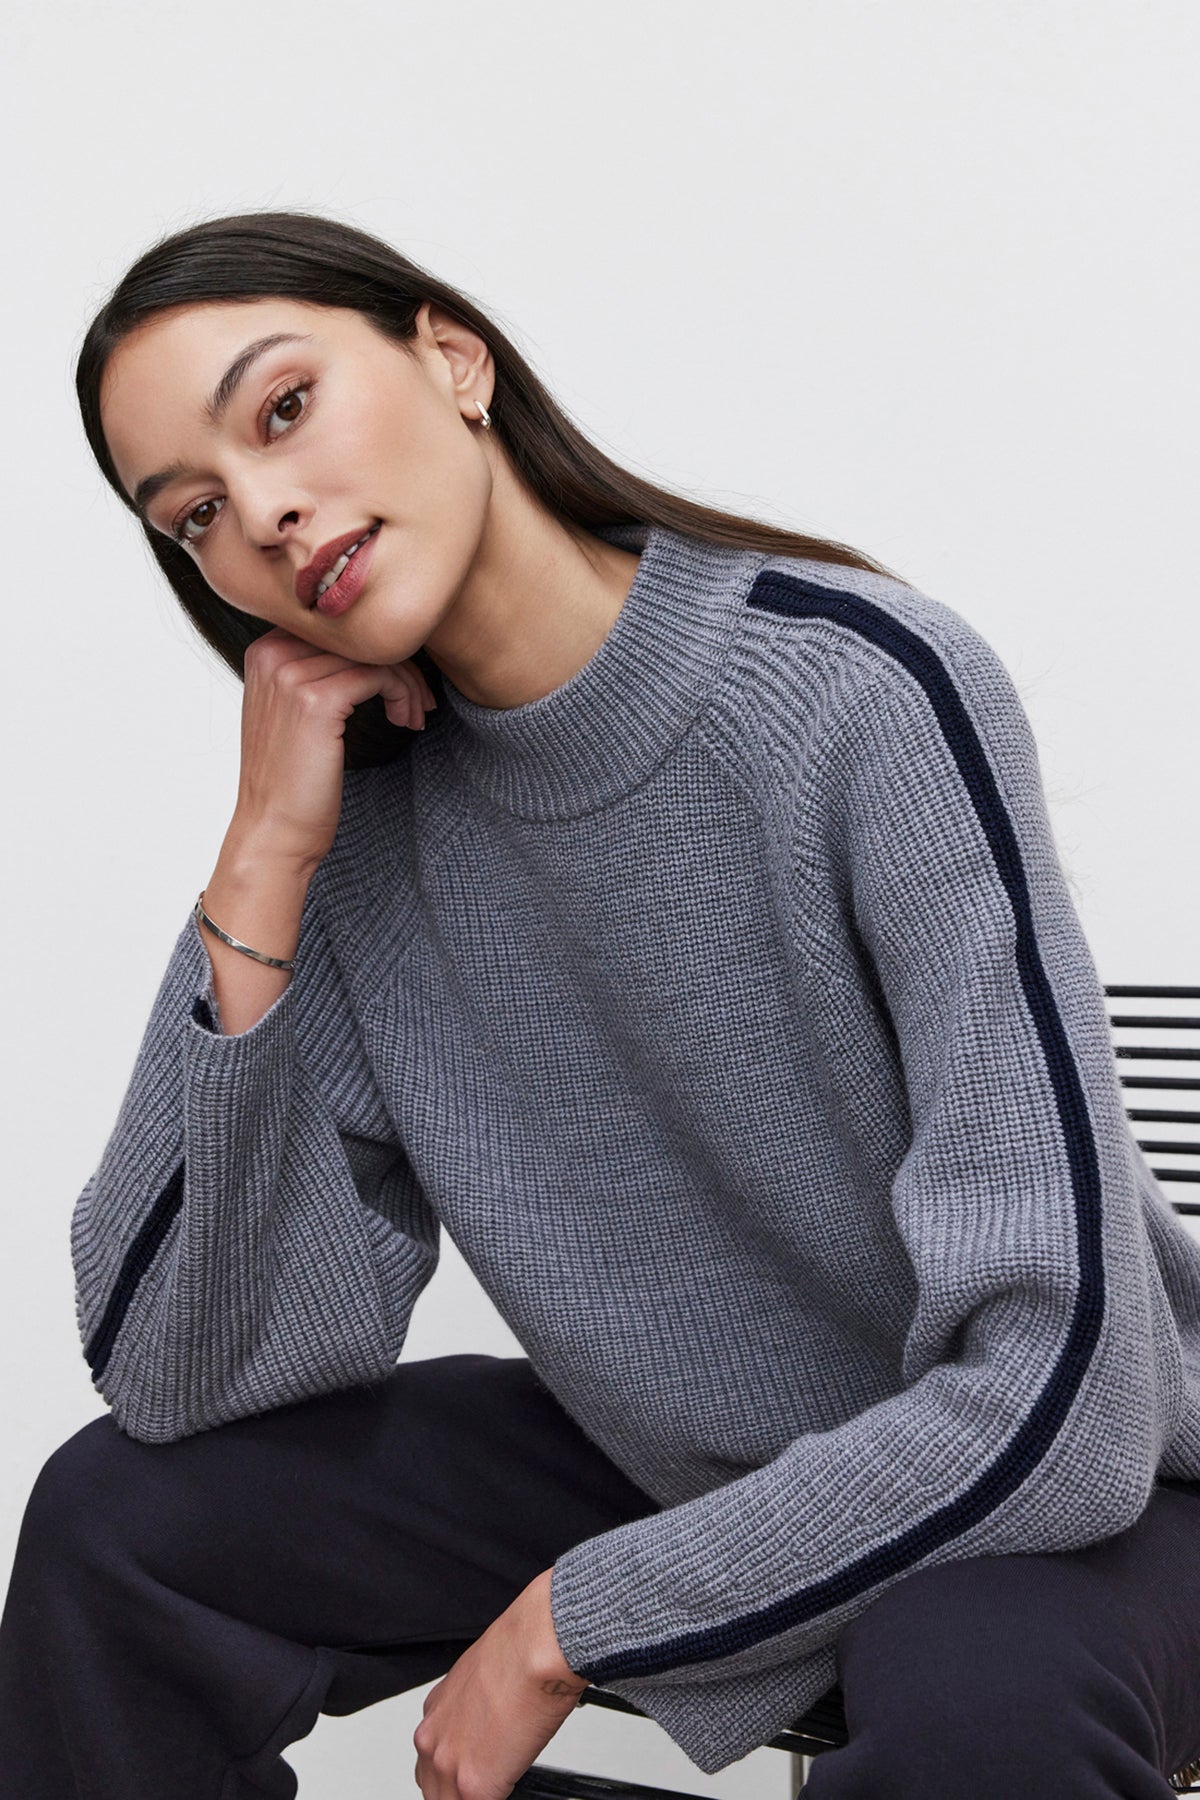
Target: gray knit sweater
[[728, 1008]]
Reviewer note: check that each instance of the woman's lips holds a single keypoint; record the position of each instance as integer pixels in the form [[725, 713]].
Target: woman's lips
[[346, 589]]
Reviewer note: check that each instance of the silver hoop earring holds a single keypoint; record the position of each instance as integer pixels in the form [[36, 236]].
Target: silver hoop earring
[[484, 414]]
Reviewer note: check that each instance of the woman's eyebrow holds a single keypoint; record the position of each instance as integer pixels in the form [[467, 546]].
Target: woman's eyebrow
[[215, 407]]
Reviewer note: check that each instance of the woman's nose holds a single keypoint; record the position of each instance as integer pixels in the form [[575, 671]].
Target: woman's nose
[[271, 519]]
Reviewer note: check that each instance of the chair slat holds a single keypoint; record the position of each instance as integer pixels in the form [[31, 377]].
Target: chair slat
[[545, 1782], [1160, 1081], [1124, 992], [1156, 1021]]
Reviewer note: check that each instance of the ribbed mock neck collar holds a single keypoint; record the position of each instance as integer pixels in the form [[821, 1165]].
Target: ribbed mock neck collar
[[605, 728]]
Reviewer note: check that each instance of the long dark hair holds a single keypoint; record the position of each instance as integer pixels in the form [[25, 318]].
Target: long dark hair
[[303, 256]]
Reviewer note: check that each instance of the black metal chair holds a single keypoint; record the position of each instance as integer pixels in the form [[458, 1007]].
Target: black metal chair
[[823, 1726]]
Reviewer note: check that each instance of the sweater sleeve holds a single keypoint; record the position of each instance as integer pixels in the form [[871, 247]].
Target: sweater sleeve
[[1040, 1378], [253, 1234]]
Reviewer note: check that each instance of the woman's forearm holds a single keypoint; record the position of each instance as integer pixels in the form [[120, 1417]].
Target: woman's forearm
[[257, 899]]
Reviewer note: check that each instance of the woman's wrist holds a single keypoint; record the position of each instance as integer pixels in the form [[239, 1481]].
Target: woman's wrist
[[551, 1668]]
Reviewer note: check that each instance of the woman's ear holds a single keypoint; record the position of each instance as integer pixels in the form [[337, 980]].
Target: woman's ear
[[468, 355]]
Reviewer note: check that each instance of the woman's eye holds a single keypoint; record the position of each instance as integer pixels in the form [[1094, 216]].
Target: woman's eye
[[289, 399], [179, 531]]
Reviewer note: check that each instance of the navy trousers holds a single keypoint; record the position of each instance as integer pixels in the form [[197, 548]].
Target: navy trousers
[[179, 1613]]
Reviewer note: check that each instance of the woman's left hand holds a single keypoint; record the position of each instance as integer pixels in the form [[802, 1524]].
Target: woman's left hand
[[489, 1717]]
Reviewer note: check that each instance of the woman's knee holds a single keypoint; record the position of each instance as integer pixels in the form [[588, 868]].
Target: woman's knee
[[940, 1753], [81, 1490], [108, 1513], [999, 1677]]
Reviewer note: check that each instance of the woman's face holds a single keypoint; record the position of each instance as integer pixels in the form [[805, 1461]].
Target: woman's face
[[328, 432]]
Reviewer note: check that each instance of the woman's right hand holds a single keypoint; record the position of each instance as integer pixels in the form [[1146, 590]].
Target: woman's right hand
[[295, 703]]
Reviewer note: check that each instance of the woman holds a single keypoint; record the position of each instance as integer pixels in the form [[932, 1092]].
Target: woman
[[665, 904]]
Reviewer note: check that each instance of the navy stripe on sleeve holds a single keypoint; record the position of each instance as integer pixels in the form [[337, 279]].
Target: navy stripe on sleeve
[[143, 1249], [791, 595], [138, 1257]]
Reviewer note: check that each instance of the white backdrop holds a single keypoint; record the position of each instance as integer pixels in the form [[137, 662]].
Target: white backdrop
[[917, 275]]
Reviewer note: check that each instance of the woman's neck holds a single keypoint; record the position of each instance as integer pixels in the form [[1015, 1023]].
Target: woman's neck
[[538, 602]]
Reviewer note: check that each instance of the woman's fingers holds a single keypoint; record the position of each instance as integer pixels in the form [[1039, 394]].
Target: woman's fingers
[[404, 696], [424, 698], [429, 698], [407, 696]]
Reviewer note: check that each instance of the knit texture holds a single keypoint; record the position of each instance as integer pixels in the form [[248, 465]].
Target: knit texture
[[728, 1008]]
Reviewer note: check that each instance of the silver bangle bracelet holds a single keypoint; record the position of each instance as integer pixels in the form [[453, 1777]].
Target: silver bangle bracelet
[[272, 962]]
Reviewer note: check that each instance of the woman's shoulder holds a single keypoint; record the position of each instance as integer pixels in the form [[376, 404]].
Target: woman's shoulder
[[833, 658], [847, 622]]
